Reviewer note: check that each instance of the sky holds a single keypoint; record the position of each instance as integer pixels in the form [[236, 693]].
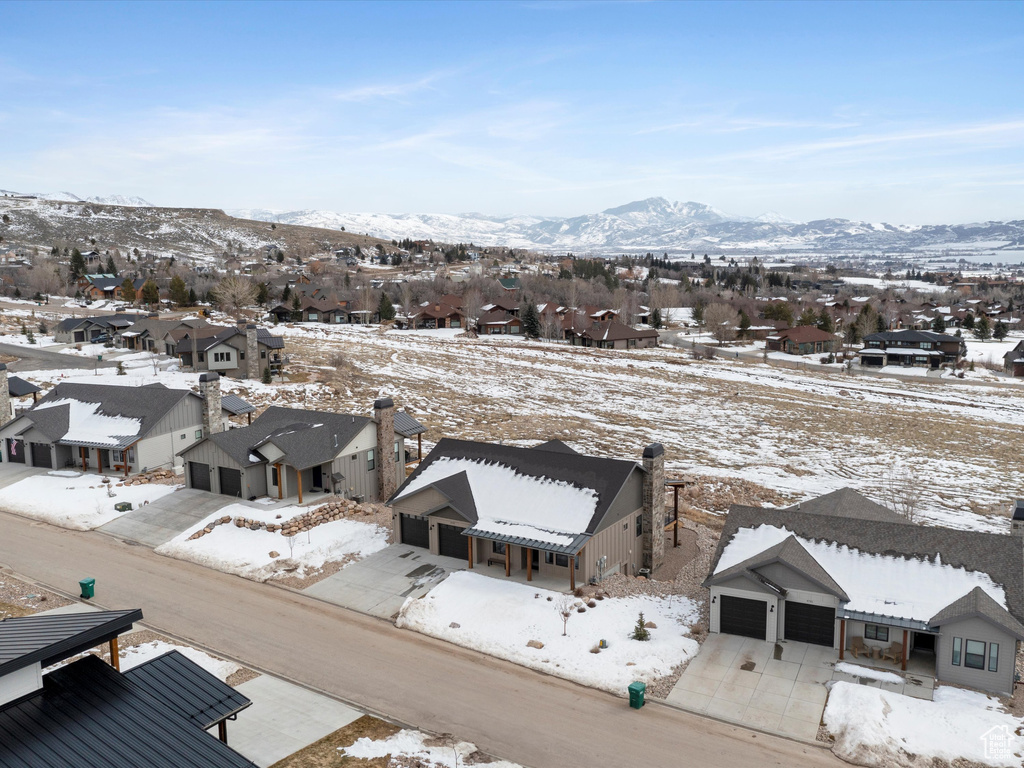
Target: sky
[[900, 112]]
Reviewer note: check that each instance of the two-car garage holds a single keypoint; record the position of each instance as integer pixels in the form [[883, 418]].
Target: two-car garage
[[751, 617], [201, 478]]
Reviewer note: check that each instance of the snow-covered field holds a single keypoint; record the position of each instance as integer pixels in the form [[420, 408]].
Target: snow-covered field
[[246, 553], [876, 728], [408, 746], [499, 618], [74, 500]]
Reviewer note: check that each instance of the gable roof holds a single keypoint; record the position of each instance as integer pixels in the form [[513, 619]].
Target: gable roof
[[790, 553], [547, 499], [613, 330], [48, 639], [911, 335], [204, 338], [848, 503], [235, 405], [406, 425], [804, 334], [104, 321], [978, 604], [555, 445]]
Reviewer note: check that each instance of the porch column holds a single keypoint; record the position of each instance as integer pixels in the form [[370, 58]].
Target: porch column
[[470, 538], [280, 482], [419, 447], [115, 658], [842, 638], [222, 731], [572, 573], [99, 461], [298, 476], [529, 564], [508, 560], [675, 523], [81, 455], [903, 661]]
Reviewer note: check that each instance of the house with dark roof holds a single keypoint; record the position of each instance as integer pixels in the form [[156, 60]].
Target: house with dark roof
[[911, 349], [81, 330], [98, 287], [151, 334], [509, 510], [1013, 361], [241, 351], [444, 313], [110, 428], [607, 334], [844, 572], [802, 340], [87, 714], [289, 452]]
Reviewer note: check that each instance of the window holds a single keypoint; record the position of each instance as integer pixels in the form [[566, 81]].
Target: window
[[498, 547], [263, 354], [370, 463], [625, 526], [273, 475], [398, 458], [184, 437], [241, 355], [562, 561], [875, 632], [222, 357], [549, 558], [956, 651], [974, 654], [639, 525], [199, 434], [202, 357], [993, 657]]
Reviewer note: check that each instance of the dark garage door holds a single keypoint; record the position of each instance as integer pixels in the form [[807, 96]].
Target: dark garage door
[[810, 623], [739, 616], [41, 455], [415, 531], [230, 481], [200, 474], [451, 542]]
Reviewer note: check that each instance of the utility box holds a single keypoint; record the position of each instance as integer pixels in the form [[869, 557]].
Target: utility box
[[89, 591], [636, 694], [123, 506]]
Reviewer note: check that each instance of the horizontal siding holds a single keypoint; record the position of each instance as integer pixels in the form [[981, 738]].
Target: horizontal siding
[[1000, 681]]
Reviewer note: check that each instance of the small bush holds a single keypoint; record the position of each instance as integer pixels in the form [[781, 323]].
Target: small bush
[[581, 609], [640, 632], [592, 604], [578, 592]]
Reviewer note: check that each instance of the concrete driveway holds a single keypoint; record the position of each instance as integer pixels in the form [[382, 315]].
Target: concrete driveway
[[775, 687]]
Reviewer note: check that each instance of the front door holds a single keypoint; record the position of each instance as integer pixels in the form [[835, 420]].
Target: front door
[[318, 477], [534, 558]]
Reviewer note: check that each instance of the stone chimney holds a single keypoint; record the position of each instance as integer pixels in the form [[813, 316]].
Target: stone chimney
[[209, 390], [654, 506], [252, 353], [5, 397], [387, 473]]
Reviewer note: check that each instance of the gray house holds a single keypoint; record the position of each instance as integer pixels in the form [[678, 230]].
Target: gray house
[[242, 351], [80, 330], [844, 572], [111, 428], [547, 509], [293, 452]]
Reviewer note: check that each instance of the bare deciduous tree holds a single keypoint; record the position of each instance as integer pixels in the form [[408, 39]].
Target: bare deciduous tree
[[471, 307], [235, 292], [721, 320], [564, 605], [903, 491]]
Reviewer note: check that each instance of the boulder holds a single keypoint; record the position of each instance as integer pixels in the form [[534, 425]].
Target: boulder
[[535, 644]]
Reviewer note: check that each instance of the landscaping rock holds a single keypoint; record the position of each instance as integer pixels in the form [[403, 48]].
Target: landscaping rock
[[535, 644]]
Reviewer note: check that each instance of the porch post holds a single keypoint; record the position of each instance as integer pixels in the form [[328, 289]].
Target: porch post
[[572, 573], [115, 658], [470, 538], [222, 731], [508, 561], [675, 525], [529, 564], [419, 447], [842, 638], [99, 461], [81, 455], [903, 661], [280, 482], [298, 476]]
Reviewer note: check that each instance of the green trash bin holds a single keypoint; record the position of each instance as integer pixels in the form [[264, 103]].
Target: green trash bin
[[636, 694], [89, 590]]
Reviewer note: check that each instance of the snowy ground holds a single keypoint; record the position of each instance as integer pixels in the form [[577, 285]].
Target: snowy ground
[[246, 553], [499, 618], [408, 746], [135, 655], [876, 728], [73, 500]]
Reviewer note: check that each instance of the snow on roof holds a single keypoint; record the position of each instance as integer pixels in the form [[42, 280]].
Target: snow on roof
[[511, 504], [85, 425], [884, 585]]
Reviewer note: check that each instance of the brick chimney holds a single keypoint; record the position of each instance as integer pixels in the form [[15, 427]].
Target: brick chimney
[[252, 353], [209, 390], [384, 415], [5, 396], [654, 506]]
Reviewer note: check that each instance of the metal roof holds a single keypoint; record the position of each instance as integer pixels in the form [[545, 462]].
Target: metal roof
[[187, 688], [18, 387], [406, 425], [88, 715], [235, 405], [25, 640]]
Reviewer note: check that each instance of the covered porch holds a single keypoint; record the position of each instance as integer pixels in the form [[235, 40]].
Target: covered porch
[[286, 482], [551, 566], [887, 642]]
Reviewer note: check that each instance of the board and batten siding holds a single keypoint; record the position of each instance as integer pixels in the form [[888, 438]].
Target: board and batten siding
[[254, 482], [351, 462], [173, 433], [617, 542], [741, 587], [1000, 681]]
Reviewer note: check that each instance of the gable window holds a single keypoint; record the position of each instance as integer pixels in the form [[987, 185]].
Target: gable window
[[875, 632], [639, 525], [974, 654], [956, 651], [183, 437], [199, 434], [370, 463], [498, 547], [993, 657], [241, 355]]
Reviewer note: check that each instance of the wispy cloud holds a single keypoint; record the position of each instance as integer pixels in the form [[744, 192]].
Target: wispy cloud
[[720, 124], [392, 90]]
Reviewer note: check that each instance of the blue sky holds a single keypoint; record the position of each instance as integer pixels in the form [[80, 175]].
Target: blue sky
[[905, 112]]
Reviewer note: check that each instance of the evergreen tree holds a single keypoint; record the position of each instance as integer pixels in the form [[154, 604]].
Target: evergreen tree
[[150, 293], [77, 264], [385, 308], [808, 317], [111, 268], [983, 328], [530, 320], [178, 291], [640, 631], [938, 324], [968, 321], [1000, 331], [825, 322], [262, 293], [192, 298], [128, 290], [265, 378], [880, 325], [744, 324], [286, 294], [656, 318]]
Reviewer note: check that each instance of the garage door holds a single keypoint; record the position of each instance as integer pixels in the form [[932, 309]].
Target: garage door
[[415, 531], [230, 481], [810, 623], [41, 455], [740, 616], [16, 450], [451, 542], [200, 474]]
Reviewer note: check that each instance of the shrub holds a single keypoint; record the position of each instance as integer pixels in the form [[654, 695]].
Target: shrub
[[640, 632]]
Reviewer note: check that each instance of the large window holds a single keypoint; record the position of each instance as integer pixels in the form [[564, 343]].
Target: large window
[[639, 525], [370, 463], [498, 547], [974, 654], [956, 651], [875, 632]]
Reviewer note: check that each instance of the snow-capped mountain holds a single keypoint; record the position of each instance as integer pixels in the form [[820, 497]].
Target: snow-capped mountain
[[130, 201], [656, 224]]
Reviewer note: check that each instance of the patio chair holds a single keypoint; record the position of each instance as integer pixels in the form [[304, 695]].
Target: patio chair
[[859, 647], [894, 652]]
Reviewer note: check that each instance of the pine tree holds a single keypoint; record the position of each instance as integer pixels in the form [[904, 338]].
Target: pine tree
[[656, 318], [120, 369], [286, 294], [128, 290], [150, 293], [640, 631], [983, 328], [531, 321], [938, 324], [262, 293], [385, 309], [825, 322], [744, 324], [968, 321], [77, 264], [178, 291], [1000, 331], [265, 378], [111, 267]]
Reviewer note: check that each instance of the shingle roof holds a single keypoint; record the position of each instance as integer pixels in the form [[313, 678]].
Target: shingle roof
[[90, 716], [105, 321], [25, 640], [805, 334], [457, 490], [613, 330], [847, 502], [204, 340], [911, 335], [406, 425], [555, 445], [978, 604], [190, 690]]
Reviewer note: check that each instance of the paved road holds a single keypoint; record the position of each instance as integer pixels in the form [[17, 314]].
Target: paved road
[[506, 710], [42, 360]]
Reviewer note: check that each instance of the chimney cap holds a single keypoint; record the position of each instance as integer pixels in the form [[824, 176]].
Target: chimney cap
[[384, 402], [209, 376], [250, 327], [3, 366], [654, 450]]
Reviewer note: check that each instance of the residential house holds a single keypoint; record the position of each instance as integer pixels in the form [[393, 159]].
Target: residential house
[[1013, 361], [106, 286], [82, 330], [111, 428], [439, 314], [510, 284], [151, 334], [608, 334], [846, 573], [293, 452], [13, 388], [546, 509], [910, 348], [802, 340], [88, 714], [242, 351]]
